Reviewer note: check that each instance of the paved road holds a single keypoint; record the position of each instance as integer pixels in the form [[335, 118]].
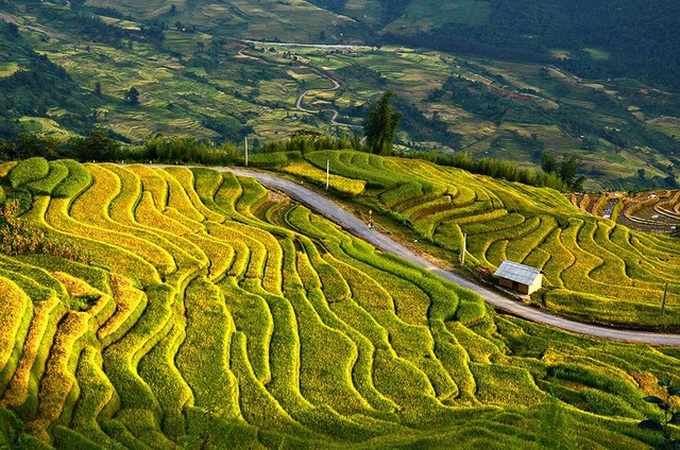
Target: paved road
[[335, 87], [357, 227], [299, 44]]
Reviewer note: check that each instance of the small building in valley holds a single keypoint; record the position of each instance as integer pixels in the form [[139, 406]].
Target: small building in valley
[[525, 279]]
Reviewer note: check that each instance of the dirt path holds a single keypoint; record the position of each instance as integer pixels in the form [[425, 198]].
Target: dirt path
[[357, 227]]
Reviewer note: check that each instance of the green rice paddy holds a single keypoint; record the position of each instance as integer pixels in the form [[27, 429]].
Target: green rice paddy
[[217, 314], [595, 269], [254, 90]]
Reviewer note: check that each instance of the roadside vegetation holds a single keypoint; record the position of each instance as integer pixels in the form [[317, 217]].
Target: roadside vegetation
[[589, 263]]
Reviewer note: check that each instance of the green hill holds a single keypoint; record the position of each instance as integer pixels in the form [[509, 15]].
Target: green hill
[[198, 76], [212, 313]]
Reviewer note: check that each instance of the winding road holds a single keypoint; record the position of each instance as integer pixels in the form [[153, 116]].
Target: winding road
[[299, 44], [8, 18], [335, 87], [301, 97], [356, 226]]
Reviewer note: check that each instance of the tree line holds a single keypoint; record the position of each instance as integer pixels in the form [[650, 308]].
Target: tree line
[[380, 130]]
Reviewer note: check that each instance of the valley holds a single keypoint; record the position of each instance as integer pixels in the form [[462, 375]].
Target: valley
[[197, 79]]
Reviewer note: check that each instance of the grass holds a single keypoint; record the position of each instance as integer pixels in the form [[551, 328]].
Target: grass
[[16, 315], [45, 186], [277, 328], [203, 361], [340, 184], [78, 179]]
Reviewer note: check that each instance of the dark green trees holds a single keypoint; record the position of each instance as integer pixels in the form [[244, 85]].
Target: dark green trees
[[12, 29], [132, 96], [95, 147], [381, 125], [567, 169], [670, 416]]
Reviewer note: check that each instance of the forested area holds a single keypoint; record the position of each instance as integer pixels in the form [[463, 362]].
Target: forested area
[[38, 86], [640, 38]]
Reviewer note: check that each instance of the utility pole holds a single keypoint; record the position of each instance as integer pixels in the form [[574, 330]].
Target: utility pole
[[462, 252], [328, 173], [663, 303], [246, 148]]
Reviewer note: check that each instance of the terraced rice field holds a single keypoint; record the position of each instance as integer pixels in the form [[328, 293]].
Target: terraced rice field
[[652, 211], [216, 314], [594, 269]]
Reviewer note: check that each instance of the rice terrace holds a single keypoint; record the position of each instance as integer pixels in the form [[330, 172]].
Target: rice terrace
[[339, 224], [213, 312]]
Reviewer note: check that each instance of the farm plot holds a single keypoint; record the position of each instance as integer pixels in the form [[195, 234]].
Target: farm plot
[[648, 211], [587, 273], [285, 331]]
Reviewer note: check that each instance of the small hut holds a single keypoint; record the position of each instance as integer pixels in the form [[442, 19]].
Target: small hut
[[525, 279]]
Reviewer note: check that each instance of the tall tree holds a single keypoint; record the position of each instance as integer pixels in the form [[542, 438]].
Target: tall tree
[[132, 96], [548, 163], [567, 169], [381, 125], [13, 29]]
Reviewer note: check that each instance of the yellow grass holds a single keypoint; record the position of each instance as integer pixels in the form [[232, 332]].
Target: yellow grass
[[59, 377], [17, 391], [188, 181], [6, 167], [14, 305], [339, 183], [127, 299]]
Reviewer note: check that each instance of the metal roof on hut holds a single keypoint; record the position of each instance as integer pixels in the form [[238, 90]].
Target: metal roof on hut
[[525, 279], [517, 272]]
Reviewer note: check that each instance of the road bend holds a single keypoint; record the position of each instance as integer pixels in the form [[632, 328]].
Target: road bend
[[356, 226]]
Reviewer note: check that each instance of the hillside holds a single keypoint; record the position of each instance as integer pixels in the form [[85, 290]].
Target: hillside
[[213, 313], [199, 74], [588, 262]]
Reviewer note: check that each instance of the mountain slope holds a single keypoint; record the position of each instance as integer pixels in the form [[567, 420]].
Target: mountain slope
[[216, 313]]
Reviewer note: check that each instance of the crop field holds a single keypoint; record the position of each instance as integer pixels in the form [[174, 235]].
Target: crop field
[[667, 125], [651, 211], [595, 269], [217, 314]]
